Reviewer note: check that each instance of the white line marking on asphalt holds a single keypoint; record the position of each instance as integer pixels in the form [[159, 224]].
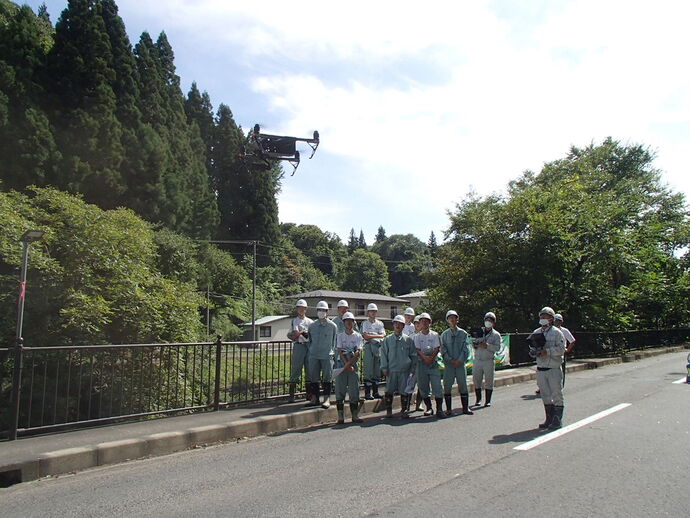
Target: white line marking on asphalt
[[681, 380], [557, 433]]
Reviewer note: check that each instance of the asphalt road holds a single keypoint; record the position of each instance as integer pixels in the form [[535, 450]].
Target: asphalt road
[[633, 462]]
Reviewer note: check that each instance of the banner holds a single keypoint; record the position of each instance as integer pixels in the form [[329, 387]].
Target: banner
[[501, 358]]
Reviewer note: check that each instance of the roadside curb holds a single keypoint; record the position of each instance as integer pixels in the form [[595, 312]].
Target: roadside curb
[[106, 453]]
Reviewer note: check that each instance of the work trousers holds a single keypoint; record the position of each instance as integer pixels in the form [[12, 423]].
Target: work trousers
[[300, 360], [550, 383], [347, 383], [483, 369], [450, 374], [320, 370], [429, 375], [372, 363]]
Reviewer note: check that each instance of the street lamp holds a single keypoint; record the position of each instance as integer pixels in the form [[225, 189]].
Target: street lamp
[[28, 237]]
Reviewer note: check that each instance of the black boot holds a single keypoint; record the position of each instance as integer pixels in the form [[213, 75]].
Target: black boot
[[429, 410], [326, 396], [478, 393], [314, 394], [449, 401], [404, 406], [465, 399], [389, 405], [375, 390], [354, 410], [340, 405], [307, 389], [488, 393], [556, 422], [439, 408], [291, 398], [367, 391], [548, 410], [418, 402]]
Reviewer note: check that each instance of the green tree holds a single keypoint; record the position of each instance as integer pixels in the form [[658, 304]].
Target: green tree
[[432, 244], [361, 243], [324, 249], [364, 271], [352, 242], [380, 235], [406, 259]]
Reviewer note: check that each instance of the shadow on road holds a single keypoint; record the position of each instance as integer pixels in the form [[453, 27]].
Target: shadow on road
[[523, 436]]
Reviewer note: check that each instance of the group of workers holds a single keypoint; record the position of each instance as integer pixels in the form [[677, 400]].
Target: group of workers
[[412, 355]]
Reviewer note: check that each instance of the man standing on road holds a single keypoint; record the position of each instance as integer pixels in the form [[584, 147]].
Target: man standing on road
[[428, 345], [569, 340], [455, 352], [322, 335], [349, 348], [300, 349], [549, 374], [485, 349], [373, 333], [398, 358]]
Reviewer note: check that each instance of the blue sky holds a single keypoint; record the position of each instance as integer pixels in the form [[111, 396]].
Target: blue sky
[[419, 106]]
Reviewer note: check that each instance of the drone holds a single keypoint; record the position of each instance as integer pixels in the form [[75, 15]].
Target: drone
[[262, 150]]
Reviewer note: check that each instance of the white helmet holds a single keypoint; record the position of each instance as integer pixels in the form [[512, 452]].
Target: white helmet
[[343, 304], [372, 307], [490, 314], [348, 316], [301, 303], [399, 318], [547, 311], [425, 315], [416, 319], [450, 313], [558, 316], [409, 311], [322, 305]]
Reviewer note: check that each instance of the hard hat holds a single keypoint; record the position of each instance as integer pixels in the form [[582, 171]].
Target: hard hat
[[301, 303], [348, 316], [450, 313], [416, 319], [490, 314], [409, 311], [372, 307], [322, 305], [425, 315], [343, 304], [558, 316], [547, 311], [399, 318]]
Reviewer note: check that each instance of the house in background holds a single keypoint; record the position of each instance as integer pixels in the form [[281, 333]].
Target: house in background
[[416, 298], [269, 328], [388, 306]]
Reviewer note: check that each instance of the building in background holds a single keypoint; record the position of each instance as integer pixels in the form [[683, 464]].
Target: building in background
[[416, 298], [269, 328]]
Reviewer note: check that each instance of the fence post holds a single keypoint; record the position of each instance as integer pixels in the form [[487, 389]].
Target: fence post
[[16, 387], [216, 388]]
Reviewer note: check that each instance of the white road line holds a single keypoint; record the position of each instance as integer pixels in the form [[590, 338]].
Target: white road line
[[584, 422], [684, 379]]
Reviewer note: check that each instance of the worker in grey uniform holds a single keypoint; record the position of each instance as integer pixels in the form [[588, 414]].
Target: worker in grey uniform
[[322, 335], [409, 328], [373, 333], [455, 351], [569, 340], [428, 345], [398, 359], [299, 334], [418, 398], [483, 368], [349, 349], [549, 374], [343, 307]]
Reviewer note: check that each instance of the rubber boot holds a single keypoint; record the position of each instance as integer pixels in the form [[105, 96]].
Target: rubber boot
[[429, 410], [556, 422], [478, 393], [439, 408], [291, 398], [367, 391], [314, 393], [307, 386], [340, 405], [487, 396], [404, 406], [548, 410], [449, 400], [354, 410], [326, 395], [389, 406], [418, 402], [375, 390], [465, 399]]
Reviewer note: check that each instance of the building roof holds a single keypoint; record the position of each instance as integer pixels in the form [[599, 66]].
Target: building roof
[[266, 320], [346, 295], [415, 294]]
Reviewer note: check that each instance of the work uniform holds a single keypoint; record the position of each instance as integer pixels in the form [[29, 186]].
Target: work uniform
[[372, 354], [341, 327], [569, 338], [483, 365], [300, 350], [409, 330], [347, 382], [549, 374], [322, 335], [398, 357], [428, 375]]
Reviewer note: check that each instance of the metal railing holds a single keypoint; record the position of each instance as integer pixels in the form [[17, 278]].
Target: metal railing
[[65, 386]]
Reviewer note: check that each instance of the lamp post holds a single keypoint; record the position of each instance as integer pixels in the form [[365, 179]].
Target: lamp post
[[29, 237]]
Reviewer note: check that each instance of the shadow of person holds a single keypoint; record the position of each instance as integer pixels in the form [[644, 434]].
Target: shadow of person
[[523, 436]]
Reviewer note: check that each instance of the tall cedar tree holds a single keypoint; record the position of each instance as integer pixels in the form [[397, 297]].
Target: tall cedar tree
[[361, 243], [28, 153], [199, 111], [352, 242], [380, 234]]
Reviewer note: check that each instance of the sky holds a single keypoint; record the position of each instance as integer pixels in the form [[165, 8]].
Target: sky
[[418, 106]]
